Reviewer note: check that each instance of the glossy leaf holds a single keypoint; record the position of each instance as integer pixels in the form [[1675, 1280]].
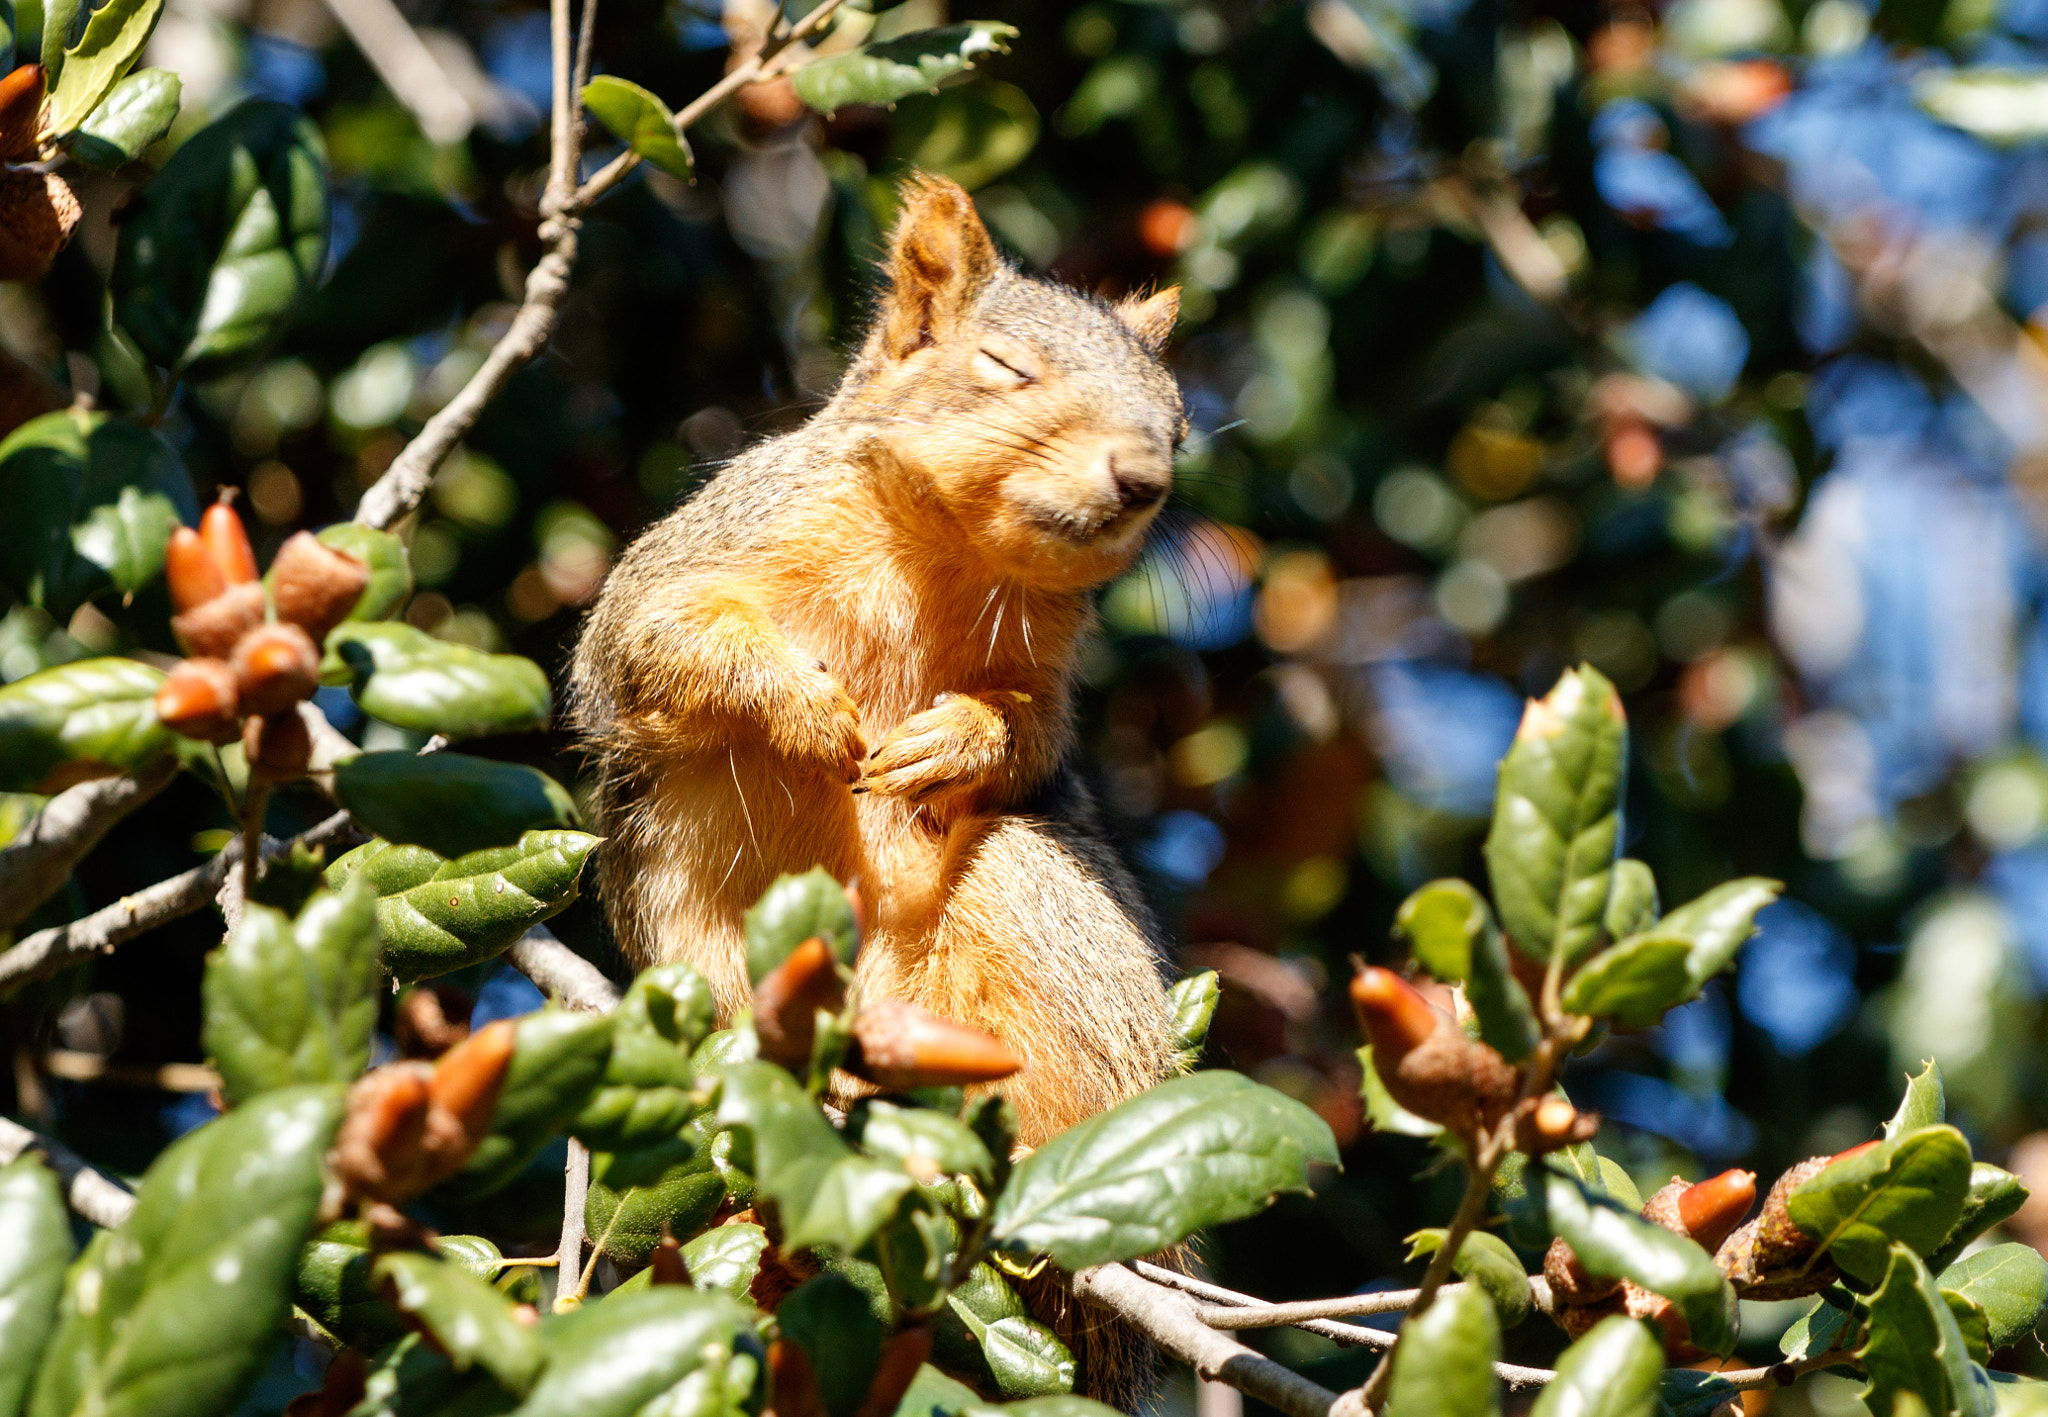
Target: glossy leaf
[[1910, 1189], [91, 502], [854, 1198], [557, 1060], [1612, 1241], [1922, 1106], [331, 1282], [610, 1358], [471, 1322], [794, 909], [90, 718], [1633, 982], [641, 121], [293, 1001], [389, 563], [1557, 817], [1631, 900], [626, 1213], [405, 676], [1994, 1195], [829, 1319], [726, 1258], [437, 915], [1191, 1003], [133, 118], [450, 803], [1192, 1152], [112, 41], [1681, 1392], [646, 1095], [1914, 1345], [1451, 930], [1487, 1261], [147, 1327], [826, 1195], [1385, 1114], [1443, 1365], [2009, 1282], [1820, 1328], [215, 256], [938, 1140], [1718, 923], [35, 1250], [1025, 1357], [916, 63], [1611, 1372]]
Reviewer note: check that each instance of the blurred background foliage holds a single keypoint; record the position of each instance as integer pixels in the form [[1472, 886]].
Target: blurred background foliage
[[1694, 340]]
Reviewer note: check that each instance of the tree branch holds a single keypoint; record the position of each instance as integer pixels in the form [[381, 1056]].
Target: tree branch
[[569, 1253], [103, 1202], [35, 865], [563, 975]]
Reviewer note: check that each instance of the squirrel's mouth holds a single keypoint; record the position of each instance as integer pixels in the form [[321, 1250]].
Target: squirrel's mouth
[[1084, 528]]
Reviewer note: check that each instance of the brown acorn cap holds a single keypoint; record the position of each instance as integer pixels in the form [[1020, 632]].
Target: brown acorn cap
[[278, 746], [1772, 1258], [38, 213], [378, 1152], [198, 700], [1452, 1079], [277, 666], [211, 630], [1570, 1286], [314, 586]]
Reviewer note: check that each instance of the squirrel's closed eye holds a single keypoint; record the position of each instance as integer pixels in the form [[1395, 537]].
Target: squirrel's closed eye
[[999, 372]]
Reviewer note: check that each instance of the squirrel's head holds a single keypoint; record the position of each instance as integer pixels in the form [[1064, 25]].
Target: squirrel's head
[[1040, 419]]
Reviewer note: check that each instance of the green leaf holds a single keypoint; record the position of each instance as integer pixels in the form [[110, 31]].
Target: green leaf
[[1025, 1358], [1909, 1189], [389, 563], [1821, 1327], [90, 718], [1192, 1152], [218, 250], [916, 63], [1487, 1261], [1633, 982], [60, 24], [726, 1258], [1631, 900], [609, 1359], [91, 503], [1681, 1392], [1612, 1372], [854, 1198], [473, 1253], [1718, 924], [826, 1195], [626, 1214], [1914, 1345], [647, 1093], [450, 803], [134, 117], [829, 1319], [1994, 1195], [1453, 936], [405, 676], [933, 1394], [410, 1379], [1385, 1114], [289, 1002], [794, 909], [437, 915], [557, 1060], [35, 1250], [1191, 1003], [471, 1322], [2017, 1396], [173, 1314], [112, 41], [1922, 1106], [898, 1133], [641, 121], [1614, 1242], [2009, 1282], [1557, 817], [332, 1283], [1443, 1365]]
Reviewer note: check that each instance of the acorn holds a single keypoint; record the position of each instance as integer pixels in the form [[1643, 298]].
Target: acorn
[[21, 112], [379, 1151], [1771, 1257], [212, 628], [278, 746], [1425, 1060], [38, 213], [1547, 1124], [198, 699], [469, 1076], [900, 1046], [1710, 1210], [227, 541], [190, 571], [788, 998], [277, 666], [314, 586], [1571, 1287]]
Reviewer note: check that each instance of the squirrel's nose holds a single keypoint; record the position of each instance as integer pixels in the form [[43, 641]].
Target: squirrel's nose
[[1136, 486]]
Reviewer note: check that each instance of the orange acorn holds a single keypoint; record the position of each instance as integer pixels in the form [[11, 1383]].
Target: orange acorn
[[190, 571], [897, 1045], [788, 998], [21, 112], [314, 586], [1425, 1060], [378, 1151], [38, 213], [198, 699], [226, 541], [213, 627], [1546, 1124], [1711, 1210], [277, 745], [470, 1075], [277, 666], [1392, 1013]]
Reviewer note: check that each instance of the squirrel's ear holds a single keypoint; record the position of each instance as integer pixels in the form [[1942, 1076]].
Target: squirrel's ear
[[1151, 317], [939, 257]]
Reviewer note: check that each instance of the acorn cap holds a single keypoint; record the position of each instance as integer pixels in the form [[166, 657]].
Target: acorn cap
[[198, 699], [276, 666], [314, 586], [378, 1151], [214, 627], [1771, 1257], [278, 746], [898, 1046], [38, 213]]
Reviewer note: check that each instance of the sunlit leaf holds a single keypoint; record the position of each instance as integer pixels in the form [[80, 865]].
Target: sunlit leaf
[[916, 63], [1612, 1372], [35, 1250], [471, 1322], [1910, 1189], [113, 39], [133, 118], [641, 121], [407, 677], [90, 718], [1450, 928], [1914, 1345], [1443, 1366], [2009, 1282], [451, 803]]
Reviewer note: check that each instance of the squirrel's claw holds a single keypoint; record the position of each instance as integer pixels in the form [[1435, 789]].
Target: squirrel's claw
[[956, 746]]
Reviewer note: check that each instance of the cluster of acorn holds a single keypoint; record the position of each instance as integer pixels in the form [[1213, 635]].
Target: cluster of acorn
[[38, 211], [254, 657], [412, 1123], [1431, 1067]]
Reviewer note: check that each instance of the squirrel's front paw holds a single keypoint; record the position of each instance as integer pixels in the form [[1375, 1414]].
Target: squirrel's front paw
[[954, 746], [819, 723]]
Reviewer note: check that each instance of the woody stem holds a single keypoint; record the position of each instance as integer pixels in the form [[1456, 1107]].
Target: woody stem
[[254, 801]]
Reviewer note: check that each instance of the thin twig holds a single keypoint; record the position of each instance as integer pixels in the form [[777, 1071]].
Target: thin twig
[[586, 44], [563, 975], [105, 1203], [35, 865], [569, 1254]]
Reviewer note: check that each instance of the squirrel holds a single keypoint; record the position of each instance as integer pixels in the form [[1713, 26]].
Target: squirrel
[[855, 647]]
